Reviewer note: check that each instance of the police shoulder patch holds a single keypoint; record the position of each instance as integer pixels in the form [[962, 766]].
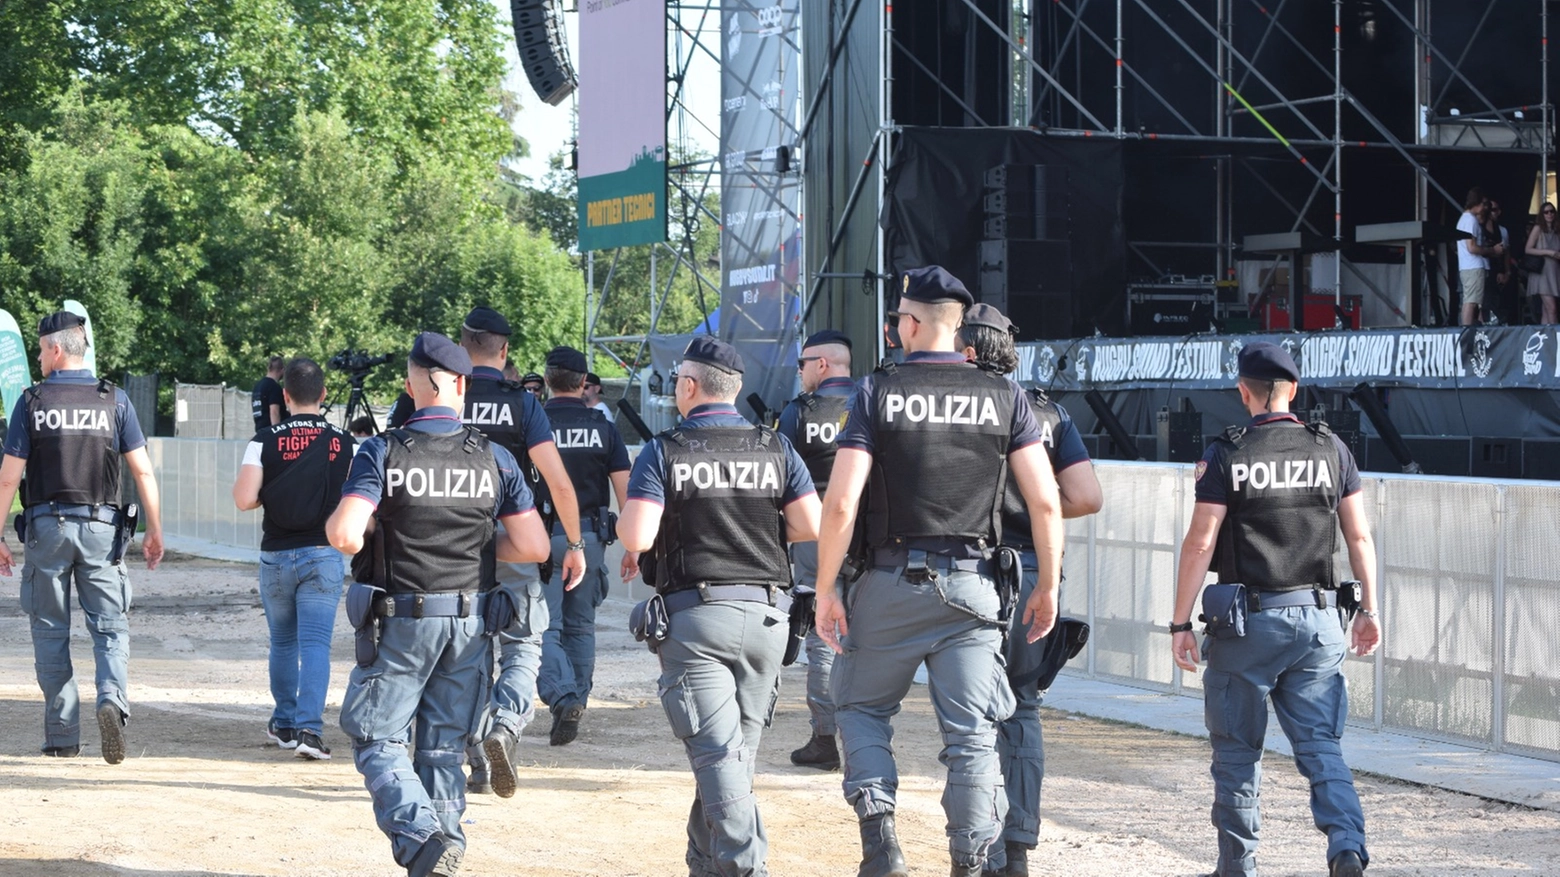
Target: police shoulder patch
[[1200, 470]]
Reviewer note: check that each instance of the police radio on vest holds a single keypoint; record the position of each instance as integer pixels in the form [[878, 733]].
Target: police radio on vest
[[952, 408], [454, 483], [823, 432], [737, 474], [74, 419], [577, 438], [489, 414], [1281, 474]]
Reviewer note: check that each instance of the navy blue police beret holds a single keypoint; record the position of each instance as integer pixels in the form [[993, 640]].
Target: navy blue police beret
[[58, 322], [432, 350], [486, 320], [987, 315], [826, 336], [932, 285], [715, 353], [1265, 361], [567, 358]]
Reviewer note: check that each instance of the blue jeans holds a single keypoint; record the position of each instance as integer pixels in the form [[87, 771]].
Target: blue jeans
[[429, 684], [569, 646], [300, 589], [1293, 656], [895, 625], [62, 553], [720, 678]]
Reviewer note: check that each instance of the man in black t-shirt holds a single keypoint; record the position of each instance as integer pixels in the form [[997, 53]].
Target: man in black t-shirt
[[265, 400], [295, 469]]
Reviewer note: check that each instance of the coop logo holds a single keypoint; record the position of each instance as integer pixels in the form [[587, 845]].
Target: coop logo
[[734, 36], [1530, 353], [769, 20]]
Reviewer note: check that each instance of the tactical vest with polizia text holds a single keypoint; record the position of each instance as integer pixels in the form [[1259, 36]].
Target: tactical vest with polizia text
[[435, 520], [819, 420], [583, 437], [73, 429], [1281, 528], [1016, 525]]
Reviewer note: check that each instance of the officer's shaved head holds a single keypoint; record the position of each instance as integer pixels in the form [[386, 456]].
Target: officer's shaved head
[[72, 342], [713, 384], [483, 345], [837, 355]]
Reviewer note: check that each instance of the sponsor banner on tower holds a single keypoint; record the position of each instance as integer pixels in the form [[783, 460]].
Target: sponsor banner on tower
[[760, 192], [622, 118], [1469, 357]]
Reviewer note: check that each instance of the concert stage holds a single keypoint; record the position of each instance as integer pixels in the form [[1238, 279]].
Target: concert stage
[[1479, 400]]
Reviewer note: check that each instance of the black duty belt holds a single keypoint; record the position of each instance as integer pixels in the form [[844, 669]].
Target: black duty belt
[[919, 566], [461, 604], [1256, 601], [103, 514], [677, 601]]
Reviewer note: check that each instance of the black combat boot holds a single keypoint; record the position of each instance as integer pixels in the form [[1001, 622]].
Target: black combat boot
[[820, 752], [481, 781], [1346, 864], [880, 855], [1017, 860]]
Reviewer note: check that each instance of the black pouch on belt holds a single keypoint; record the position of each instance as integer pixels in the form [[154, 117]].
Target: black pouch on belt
[[124, 530], [803, 607], [361, 614], [1224, 610], [1350, 593], [649, 622], [607, 526], [499, 612], [21, 527]]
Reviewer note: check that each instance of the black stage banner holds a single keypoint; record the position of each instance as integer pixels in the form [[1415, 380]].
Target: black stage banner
[[1472, 357]]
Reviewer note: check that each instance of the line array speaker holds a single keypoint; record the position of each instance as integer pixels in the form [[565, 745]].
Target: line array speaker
[[1026, 202], [1031, 282], [543, 55]]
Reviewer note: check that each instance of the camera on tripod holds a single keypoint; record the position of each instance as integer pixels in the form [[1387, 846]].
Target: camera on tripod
[[356, 363]]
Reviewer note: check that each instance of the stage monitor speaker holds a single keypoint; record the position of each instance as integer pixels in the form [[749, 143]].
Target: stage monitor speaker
[[539, 38], [1436, 455], [1180, 436], [1031, 282], [1541, 459], [1496, 458]]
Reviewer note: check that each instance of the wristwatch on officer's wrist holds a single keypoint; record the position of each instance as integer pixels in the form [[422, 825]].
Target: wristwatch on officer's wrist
[[1368, 613], [1183, 627], [577, 546]]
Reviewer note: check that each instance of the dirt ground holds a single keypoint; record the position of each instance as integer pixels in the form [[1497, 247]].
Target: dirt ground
[[200, 793]]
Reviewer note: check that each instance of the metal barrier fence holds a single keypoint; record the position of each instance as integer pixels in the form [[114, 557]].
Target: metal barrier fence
[[1468, 568], [1469, 579], [197, 410]]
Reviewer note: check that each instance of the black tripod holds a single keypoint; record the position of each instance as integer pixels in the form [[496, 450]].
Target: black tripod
[[357, 402]]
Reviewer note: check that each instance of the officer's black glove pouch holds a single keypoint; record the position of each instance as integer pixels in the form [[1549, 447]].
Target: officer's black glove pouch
[[1040, 661], [545, 571], [608, 526], [804, 605], [1009, 577], [361, 598], [499, 613], [1350, 594], [1224, 610], [21, 527], [649, 622]]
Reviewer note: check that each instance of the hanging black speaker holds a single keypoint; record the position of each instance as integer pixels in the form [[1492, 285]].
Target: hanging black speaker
[[543, 55]]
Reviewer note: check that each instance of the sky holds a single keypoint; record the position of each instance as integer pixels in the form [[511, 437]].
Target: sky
[[548, 129]]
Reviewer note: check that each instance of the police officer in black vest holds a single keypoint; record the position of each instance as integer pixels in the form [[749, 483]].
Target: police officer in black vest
[[1271, 497], [597, 460], [931, 441], [67, 435], [987, 339], [715, 501], [429, 494], [514, 419], [812, 421]]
